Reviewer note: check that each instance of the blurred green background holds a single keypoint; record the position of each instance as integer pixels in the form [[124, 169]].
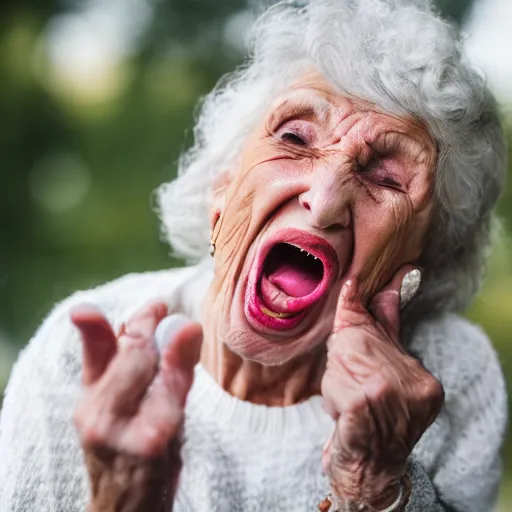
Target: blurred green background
[[96, 102]]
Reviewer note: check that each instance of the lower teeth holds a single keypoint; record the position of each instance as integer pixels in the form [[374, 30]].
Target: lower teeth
[[275, 315]]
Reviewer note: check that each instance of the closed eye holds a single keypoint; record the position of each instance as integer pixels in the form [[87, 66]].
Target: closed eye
[[293, 138], [391, 183], [377, 172]]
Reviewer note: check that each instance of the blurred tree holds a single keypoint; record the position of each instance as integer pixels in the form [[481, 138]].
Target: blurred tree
[[119, 149], [456, 10]]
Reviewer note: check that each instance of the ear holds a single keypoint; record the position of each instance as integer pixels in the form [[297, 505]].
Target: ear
[[218, 199]]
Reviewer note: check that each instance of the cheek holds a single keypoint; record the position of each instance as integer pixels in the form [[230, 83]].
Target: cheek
[[251, 198], [385, 238]]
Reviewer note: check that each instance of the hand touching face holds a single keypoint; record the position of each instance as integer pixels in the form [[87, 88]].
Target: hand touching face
[[382, 398], [326, 166]]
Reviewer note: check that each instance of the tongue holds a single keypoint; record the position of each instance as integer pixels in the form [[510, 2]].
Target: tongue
[[293, 281]]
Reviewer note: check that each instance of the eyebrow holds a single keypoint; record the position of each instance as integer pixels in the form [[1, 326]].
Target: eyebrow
[[298, 105]]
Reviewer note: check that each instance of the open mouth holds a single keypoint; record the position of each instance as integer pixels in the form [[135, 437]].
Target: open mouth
[[288, 272], [292, 273]]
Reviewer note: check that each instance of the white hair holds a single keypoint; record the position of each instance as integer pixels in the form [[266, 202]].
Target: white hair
[[401, 56]]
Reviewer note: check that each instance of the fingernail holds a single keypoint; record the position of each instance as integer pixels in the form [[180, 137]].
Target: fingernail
[[410, 286], [84, 307], [167, 328], [349, 289]]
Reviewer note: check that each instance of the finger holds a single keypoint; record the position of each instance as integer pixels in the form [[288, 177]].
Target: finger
[[99, 343], [168, 328], [183, 351], [385, 305], [133, 369], [341, 392], [143, 323], [158, 421], [182, 344], [161, 413], [350, 310]]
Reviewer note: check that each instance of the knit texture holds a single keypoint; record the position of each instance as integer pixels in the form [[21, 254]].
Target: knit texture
[[241, 457]]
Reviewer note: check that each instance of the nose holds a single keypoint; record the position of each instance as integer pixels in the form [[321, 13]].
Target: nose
[[328, 197]]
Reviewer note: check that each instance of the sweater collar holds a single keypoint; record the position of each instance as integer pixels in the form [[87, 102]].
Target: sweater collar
[[208, 400]]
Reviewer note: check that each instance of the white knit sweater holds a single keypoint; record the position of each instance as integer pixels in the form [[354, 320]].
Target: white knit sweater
[[240, 457]]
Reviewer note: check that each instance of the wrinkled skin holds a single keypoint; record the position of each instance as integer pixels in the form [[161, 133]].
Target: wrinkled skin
[[381, 398], [359, 178], [362, 180]]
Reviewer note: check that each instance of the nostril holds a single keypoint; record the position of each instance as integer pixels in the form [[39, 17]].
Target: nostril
[[306, 205]]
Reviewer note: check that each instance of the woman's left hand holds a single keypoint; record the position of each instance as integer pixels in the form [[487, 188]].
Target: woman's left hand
[[381, 398]]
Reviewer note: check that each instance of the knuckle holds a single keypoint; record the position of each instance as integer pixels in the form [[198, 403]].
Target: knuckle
[[137, 341], [157, 439], [358, 403], [95, 432], [380, 388], [433, 389], [415, 366], [429, 387], [92, 424], [430, 395]]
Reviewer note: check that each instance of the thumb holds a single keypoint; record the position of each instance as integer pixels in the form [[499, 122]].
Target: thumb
[[350, 310], [387, 303], [99, 344]]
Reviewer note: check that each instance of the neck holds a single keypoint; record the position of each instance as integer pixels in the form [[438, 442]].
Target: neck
[[281, 385]]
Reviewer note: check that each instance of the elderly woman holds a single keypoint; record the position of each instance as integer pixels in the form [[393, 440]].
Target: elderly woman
[[355, 155]]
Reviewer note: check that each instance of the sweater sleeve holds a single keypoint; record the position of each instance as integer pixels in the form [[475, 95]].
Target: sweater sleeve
[[41, 466], [423, 496], [462, 448]]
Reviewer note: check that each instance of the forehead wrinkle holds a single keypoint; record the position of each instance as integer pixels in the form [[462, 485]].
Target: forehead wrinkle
[[314, 81], [416, 150], [370, 124]]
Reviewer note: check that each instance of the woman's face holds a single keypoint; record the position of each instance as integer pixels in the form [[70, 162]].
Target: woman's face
[[327, 188]]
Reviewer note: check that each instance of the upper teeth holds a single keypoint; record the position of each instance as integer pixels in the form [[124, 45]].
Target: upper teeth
[[308, 253]]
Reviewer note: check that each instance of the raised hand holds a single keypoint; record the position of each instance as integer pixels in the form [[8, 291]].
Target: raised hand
[[130, 415], [382, 398]]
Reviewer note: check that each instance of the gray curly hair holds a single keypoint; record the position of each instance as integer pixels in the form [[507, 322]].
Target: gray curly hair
[[398, 54]]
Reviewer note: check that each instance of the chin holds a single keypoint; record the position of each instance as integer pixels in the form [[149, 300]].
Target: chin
[[265, 351]]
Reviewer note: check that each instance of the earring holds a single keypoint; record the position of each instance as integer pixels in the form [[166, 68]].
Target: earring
[[410, 286], [215, 234]]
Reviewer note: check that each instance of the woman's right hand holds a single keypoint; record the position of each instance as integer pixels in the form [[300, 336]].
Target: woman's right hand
[[130, 415]]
